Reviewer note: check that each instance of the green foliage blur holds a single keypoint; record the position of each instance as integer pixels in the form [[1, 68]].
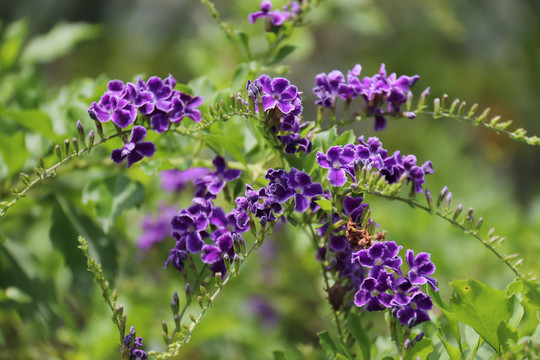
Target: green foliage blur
[[56, 58]]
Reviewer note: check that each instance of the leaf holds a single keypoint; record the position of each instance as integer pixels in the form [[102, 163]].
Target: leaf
[[33, 120], [67, 224], [420, 350], [58, 42], [347, 137], [239, 78], [11, 44], [325, 204], [445, 309], [508, 335], [203, 86], [481, 307], [229, 144], [282, 53], [359, 334], [13, 152], [453, 353], [516, 311], [332, 348], [279, 355], [17, 295], [111, 197], [244, 41]]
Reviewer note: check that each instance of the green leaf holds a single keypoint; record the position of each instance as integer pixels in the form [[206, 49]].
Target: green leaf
[[332, 348], [239, 78], [347, 137], [279, 355], [17, 295], [340, 357], [244, 40], [203, 86], [229, 143], [325, 204], [13, 152], [292, 220], [282, 53], [515, 287], [58, 42], [445, 309], [33, 120], [359, 334], [11, 44], [516, 311], [453, 353], [508, 335], [111, 197], [67, 224], [420, 350], [480, 307]]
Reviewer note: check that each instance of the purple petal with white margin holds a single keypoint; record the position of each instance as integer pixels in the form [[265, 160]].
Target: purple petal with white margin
[[285, 107], [194, 243], [279, 85], [133, 157], [210, 254], [137, 134], [125, 116], [216, 186], [301, 203], [323, 161], [231, 174], [160, 122], [268, 102], [337, 177], [220, 164], [117, 157], [146, 148]]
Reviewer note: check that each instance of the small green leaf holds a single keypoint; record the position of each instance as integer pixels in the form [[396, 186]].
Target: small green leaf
[[17, 295], [453, 353], [292, 220], [11, 44], [359, 334], [13, 152], [481, 307], [33, 120], [508, 335], [325, 204], [516, 311], [112, 196], [332, 348], [340, 357], [230, 144], [347, 137], [203, 86], [239, 78], [283, 52], [279, 355], [420, 350], [58, 42]]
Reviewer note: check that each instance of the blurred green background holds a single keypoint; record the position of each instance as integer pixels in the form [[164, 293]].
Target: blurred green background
[[482, 51]]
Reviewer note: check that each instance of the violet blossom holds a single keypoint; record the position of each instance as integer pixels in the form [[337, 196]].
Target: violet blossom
[[135, 149]]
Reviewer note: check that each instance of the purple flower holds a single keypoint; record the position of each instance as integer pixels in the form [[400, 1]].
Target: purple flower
[[134, 150], [278, 92], [160, 92], [354, 207], [381, 255], [415, 312], [373, 293], [339, 162], [420, 268], [135, 351], [156, 228], [327, 88], [189, 226], [276, 17], [402, 291], [186, 105], [175, 180], [261, 204], [214, 182], [295, 143], [296, 183], [112, 106]]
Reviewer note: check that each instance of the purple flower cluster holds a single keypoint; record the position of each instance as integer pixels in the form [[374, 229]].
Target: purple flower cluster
[[156, 228], [341, 249], [383, 94], [156, 99], [134, 346], [275, 18], [203, 220], [282, 105], [387, 288], [345, 161]]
